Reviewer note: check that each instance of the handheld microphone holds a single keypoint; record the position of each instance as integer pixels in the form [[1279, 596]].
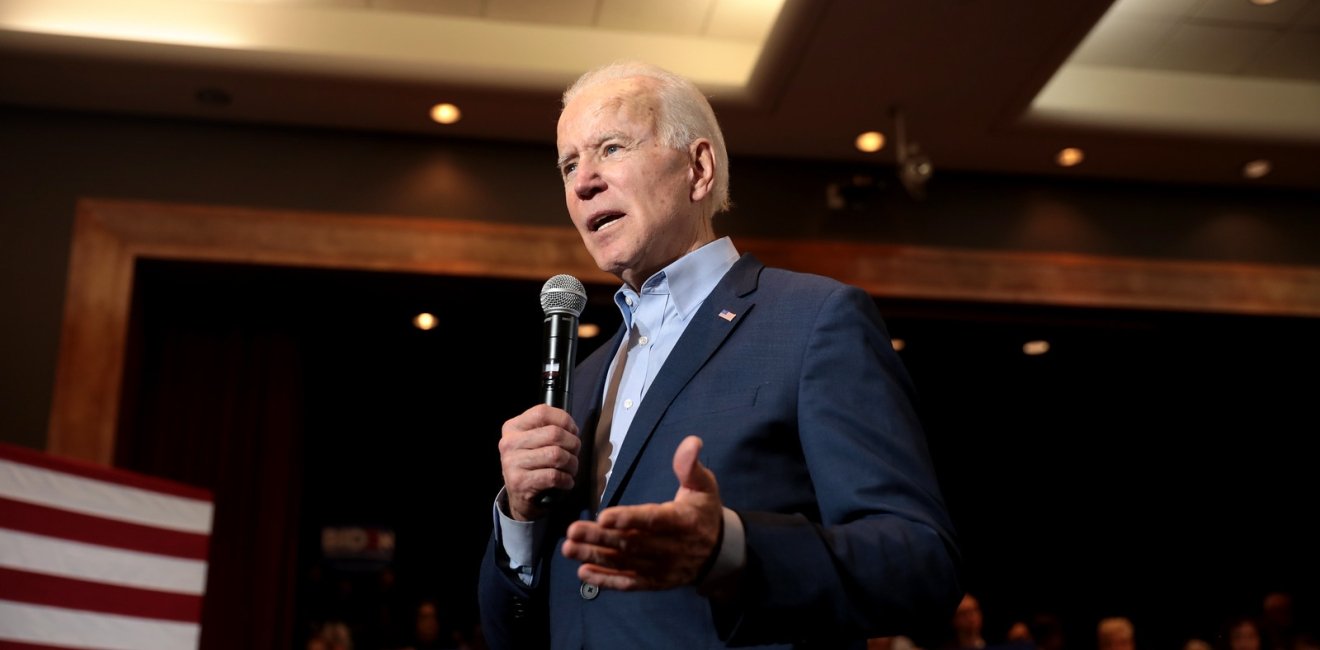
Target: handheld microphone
[[562, 299]]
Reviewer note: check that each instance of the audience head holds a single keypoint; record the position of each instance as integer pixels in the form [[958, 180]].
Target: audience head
[[1115, 633], [1047, 631], [880, 643], [1277, 609], [426, 623], [333, 635], [1276, 618], [1242, 633], [1019, 632], [967, 622]]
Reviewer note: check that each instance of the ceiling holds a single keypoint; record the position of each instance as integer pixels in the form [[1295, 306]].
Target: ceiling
[[1180, 91]]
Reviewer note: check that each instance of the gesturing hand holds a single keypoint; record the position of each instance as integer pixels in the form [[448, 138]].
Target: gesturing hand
[[653, 546]]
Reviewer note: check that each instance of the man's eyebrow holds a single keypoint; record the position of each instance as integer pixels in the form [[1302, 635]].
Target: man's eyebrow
[[594, 144], [563, 158]]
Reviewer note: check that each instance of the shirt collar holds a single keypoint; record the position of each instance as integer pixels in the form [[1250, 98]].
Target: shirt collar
[[688, 279]]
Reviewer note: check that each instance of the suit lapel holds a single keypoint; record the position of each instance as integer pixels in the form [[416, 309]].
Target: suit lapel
[[717, 317]]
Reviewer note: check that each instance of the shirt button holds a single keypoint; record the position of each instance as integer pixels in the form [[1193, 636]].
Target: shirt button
[[628, 300], [642, 341], [627, 403], [588, 592]]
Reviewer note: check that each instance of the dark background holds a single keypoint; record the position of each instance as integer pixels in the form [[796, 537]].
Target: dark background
[[1152, 464]]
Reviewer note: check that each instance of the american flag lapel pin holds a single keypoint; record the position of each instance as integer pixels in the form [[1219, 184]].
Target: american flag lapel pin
[[727, 315]]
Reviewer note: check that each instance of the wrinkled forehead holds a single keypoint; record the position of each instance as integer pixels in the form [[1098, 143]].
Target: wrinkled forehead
[[630, 98]]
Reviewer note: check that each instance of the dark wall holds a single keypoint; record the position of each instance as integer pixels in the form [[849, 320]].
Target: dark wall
[[50, 160]]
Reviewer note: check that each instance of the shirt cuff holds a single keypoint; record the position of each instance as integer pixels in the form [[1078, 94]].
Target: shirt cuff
[[519, 539], [732, 554]]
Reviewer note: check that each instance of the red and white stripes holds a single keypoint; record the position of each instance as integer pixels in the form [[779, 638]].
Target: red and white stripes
[[92, 557]]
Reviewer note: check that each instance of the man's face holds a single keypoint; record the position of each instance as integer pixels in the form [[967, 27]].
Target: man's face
[[632, 199]]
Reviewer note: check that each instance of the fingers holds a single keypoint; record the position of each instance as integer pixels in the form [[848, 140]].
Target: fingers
[[623, 560], [655, 518], [540, 416], [613, 578], [642, 547], [538, 452]]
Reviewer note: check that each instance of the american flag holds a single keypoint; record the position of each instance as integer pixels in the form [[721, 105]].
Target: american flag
[[94, 557]]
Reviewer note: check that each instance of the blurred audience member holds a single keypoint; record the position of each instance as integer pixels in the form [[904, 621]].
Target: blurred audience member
[[1242, 633], [1277, 623], [1047, 631], [967, 622], [332, 635], [1019, 633], [1305, 641], [891, 643], [1115, 633], [430, 631]]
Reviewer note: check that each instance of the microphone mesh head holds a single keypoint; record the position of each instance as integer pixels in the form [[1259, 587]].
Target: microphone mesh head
[[563, 294]]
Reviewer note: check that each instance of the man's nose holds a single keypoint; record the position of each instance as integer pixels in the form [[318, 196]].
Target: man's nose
[[587, 182]]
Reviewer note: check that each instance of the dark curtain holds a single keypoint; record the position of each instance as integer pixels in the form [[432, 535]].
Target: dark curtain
[[213, 398]]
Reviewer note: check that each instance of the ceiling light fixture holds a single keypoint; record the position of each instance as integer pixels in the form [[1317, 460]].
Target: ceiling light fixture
[[588, 330], [446, 113], [870, 142], [897, 344], [424, 321], [1257, 168], [1035, 348], [1262, 3], [1069, 157]]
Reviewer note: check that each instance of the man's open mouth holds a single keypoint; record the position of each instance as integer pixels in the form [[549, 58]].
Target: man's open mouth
[[603, 219]]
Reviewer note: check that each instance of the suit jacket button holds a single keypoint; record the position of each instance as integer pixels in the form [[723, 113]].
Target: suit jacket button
[[588, 592]]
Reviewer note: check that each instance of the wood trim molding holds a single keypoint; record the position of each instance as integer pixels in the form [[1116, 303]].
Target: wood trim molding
[[110, 236]]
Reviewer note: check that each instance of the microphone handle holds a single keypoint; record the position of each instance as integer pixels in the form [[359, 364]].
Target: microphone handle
[[556, 377]]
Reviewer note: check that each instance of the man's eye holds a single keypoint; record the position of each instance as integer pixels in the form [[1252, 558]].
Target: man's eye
[[568, 169], [611, 148]]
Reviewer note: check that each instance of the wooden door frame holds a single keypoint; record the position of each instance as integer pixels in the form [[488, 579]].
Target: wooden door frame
[[109, 237]]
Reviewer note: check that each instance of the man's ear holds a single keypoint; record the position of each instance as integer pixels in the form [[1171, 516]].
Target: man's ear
[[701, 169]]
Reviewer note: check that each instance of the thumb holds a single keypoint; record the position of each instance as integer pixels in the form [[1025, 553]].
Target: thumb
[[692, 475]]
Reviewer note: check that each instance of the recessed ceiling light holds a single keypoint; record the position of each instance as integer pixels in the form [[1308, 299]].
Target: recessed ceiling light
[[1256, 168], [898, 344], [424, 321], [1035, 348], [446, 113], [1069, 157], [1262, 3], [870, 142], [588, 330]]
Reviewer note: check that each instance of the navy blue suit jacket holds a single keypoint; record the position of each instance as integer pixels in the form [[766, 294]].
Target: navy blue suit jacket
[[808, 422]]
